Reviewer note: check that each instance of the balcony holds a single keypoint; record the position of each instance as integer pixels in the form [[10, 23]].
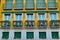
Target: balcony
[[17, 24], [5, 24], [30, 24], [54, 24], [42, 24]]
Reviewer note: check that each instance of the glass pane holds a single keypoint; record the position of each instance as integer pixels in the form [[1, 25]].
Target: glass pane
[[55, 35], [54, 23], [41, 23], [29, 17], [42, 35], [8, 4], [18, 16], [40, 3], [51, 3], [17, 35], [5, 35], [7, 16], [30, 23], [41, 16], [30, 35], [19, 4], [53, 16], [18, 24], [29, 3], [6, 24]]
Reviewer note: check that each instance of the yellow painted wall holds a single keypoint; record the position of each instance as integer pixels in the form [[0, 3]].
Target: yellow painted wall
[[2, 3]]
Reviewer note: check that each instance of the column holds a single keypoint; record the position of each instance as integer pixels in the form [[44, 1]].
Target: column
[[23, 35], [11, 34], [48, 33], [36, 35]]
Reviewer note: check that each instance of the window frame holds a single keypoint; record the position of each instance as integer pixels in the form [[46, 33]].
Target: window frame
[[4, 16], [5, 7], [27, 36], [56, 16], [55, 35], [29, 13], [29, 7], [41, 6], [19, 16], [4, 37], [44, 15], [42, 37], [49, 6], [18, 5], [15, 33]]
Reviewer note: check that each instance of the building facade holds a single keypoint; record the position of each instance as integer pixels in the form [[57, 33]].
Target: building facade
[[29, 19]]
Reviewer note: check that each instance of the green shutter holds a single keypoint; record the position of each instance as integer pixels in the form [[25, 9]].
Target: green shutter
[[30, 35], [5, 35], [17, 35], [55, 35], [42, 35]]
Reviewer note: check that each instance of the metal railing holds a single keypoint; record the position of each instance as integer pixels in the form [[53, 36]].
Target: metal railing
[[5, 24], [29, 24], [17, 24], [42, 24], [54, 24]]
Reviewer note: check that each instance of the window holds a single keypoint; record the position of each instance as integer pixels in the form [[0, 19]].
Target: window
[[40, 3], [30, 35], [29, 3], [18, 16], [42, 35], [7, 16], [19, 4], [6, 24], [51, 4], [18, 23], [29, 16], [55, 35], [5, 35], [30, 23], [41, 16], [54, 23], [17, 35], [8, 4], [43, 23], [53, 16]]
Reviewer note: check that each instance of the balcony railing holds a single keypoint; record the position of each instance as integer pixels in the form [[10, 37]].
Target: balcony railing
[[42, 24], [5, 24], [54, 24], [17, 24], [29, 24]]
